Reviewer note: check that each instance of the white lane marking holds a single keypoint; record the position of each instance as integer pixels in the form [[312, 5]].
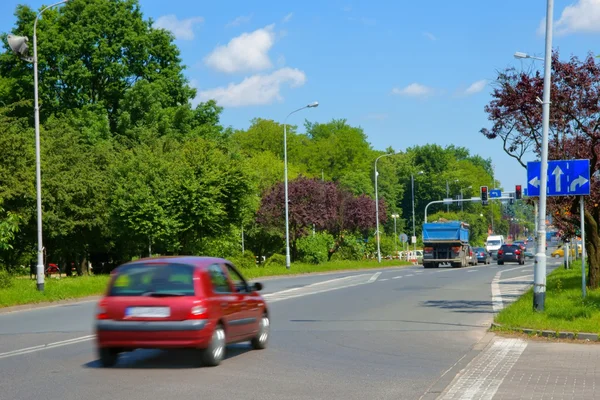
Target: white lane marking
[[383, 279], [397, 277], [516, 278], [46, 346], [497, 300], [472, 270], [374, 277], [410, 275], [484, 375]]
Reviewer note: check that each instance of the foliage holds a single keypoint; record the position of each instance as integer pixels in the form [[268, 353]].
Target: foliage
[[275, 260], [94, 52], [349, 247], [244, 261], [313, 249], [9, 225], [574, 133], [6, 280]]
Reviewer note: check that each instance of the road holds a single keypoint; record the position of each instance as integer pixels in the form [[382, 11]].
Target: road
[[379, 334]]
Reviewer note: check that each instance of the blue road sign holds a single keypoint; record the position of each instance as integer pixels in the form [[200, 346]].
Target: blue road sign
[[565, 178], [494, 193]]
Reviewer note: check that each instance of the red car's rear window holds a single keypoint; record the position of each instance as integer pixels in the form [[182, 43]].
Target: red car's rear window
[[150, 279]]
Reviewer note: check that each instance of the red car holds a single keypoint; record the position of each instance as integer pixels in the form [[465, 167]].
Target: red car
[[201, 303]]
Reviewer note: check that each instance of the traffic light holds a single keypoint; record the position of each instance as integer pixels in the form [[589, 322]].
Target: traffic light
[[484, 195], [518, 192]]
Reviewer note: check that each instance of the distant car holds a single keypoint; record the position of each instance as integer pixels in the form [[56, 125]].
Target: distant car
[[482, 255], [511, 253], [201, 303]]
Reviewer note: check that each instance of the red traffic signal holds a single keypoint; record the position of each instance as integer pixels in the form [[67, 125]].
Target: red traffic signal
[[484, 193], [518, 194]]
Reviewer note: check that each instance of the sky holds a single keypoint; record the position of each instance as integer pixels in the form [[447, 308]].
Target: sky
[[409, 73]]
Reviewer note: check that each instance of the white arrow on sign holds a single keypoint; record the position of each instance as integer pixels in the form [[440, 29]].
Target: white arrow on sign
[[535, 182], [580, 181], [557, 173]]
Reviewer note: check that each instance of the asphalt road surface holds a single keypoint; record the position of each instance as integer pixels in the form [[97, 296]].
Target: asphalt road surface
[[377, 334]]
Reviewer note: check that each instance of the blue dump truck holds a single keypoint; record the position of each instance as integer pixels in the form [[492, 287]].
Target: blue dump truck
[[446, 242]]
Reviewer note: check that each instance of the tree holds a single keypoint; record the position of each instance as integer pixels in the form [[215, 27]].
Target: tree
[[311, 203], [94, 52], [574, 133]]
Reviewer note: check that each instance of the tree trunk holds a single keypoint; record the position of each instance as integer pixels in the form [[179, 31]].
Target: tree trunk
[[84, 266], [592, 250]]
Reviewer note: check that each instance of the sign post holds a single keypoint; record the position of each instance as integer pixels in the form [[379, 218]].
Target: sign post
[[565, 178]]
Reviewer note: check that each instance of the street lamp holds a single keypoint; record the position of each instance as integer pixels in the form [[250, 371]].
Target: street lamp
[[522, 55], [412, 181], [395, 234], [539, 273], [377, 206], [285, 169], [19, 46]]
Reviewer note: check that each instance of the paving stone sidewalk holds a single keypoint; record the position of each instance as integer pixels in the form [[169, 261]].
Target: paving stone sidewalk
[[554, 371], [514, 369]]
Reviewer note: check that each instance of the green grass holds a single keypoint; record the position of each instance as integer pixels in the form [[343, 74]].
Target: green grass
[[23, 290], [565, 309], [299, 268]]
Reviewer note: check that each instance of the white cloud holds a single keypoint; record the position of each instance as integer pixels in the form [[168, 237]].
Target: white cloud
[[429, 36], [582, 17], [287, 18], [254, 90], [182, 29], [247, 52], [476, 87], [414, 89], [242, 19]]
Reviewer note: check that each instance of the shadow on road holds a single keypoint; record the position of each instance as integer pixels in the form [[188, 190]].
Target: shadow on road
[[166, 359], [462, 306]]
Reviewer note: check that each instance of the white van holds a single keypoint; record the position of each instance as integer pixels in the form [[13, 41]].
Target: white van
[[493, 243]]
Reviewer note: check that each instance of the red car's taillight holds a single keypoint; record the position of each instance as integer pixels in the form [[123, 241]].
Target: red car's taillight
[[197, 311], [101, 310]]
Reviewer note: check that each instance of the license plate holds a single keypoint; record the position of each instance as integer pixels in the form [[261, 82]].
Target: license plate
[[509, 254], [148, 312]]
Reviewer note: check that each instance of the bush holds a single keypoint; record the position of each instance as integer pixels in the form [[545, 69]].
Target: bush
[[6, 279], [352, 248], [314, 249], [246, 260], [275, 260]]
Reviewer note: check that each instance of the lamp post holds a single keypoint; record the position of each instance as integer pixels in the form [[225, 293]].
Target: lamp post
[[377, 206], [395, 233], [539, 274], [19, 46], [285, 172], [412, 182]]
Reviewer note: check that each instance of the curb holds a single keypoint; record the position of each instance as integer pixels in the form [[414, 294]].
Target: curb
[[48, 304], [581, 336]]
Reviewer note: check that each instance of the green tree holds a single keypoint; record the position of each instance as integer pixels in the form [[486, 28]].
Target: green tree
[[94, 52]]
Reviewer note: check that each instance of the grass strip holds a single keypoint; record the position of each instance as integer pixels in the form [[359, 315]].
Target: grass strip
[[565, 309], [21, 291]]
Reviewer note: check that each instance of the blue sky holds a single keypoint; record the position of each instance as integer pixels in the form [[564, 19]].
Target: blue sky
[[409, 73]]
